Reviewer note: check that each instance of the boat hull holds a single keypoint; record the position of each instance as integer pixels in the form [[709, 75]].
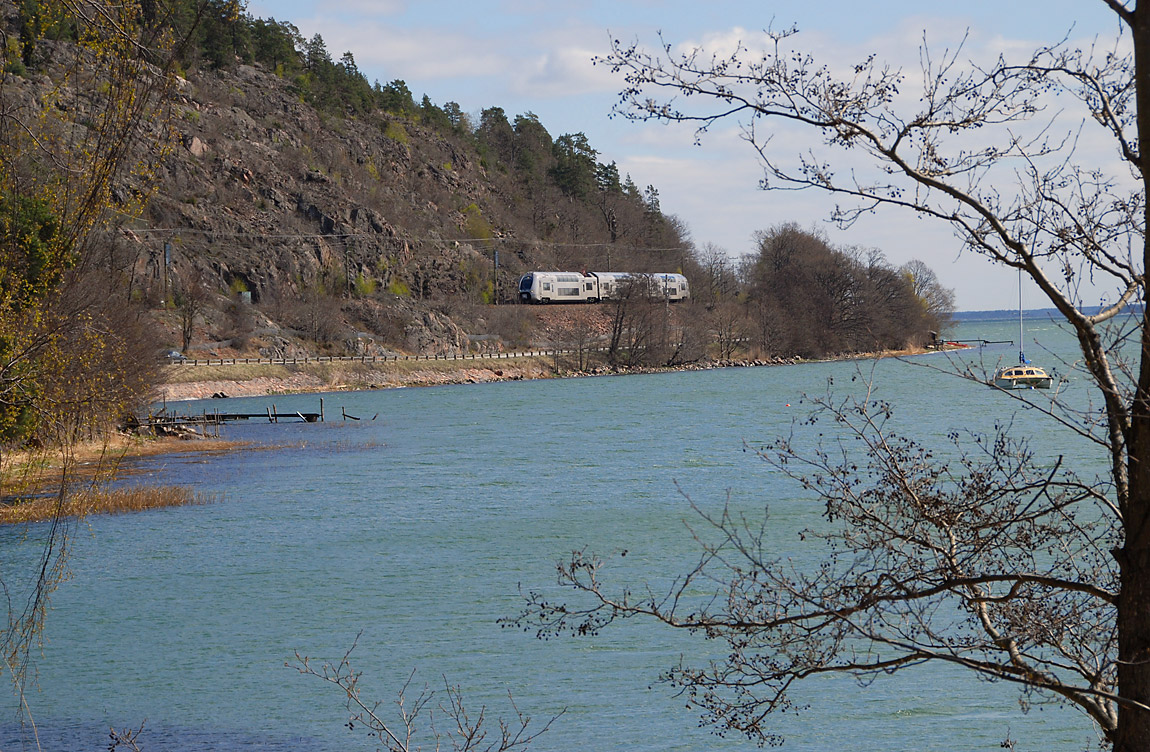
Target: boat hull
[[1022, 377]]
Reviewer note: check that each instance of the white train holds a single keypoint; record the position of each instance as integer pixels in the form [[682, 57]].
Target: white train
[[576, 287]]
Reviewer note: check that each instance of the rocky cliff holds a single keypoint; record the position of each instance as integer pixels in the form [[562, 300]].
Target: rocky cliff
[[296, 229]]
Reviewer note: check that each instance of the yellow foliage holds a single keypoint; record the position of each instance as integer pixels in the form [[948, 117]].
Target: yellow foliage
[[67, 365], [475, 227], [99, 501], [364, 286], [396, 132]]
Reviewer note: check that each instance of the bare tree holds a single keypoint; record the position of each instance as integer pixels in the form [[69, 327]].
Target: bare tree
[[936, 299], [726, 321], [632, 322], [241, 320], [461, 730], [577, 334], [719, 281], [78, 140], [686, 337], [767, 319], [1044, 577], [718, 291], [191, 300]]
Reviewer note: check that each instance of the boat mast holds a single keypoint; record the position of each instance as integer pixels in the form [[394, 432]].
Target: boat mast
[[1021, 349]]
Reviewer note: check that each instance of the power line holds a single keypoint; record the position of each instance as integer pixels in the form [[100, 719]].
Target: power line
[[345, 235]]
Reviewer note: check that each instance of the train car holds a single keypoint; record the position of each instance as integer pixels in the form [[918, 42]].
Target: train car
[[673, 287], [557, 287], [608, 283], [592, 287]]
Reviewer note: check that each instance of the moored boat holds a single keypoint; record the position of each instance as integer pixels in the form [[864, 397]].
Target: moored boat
[[1022, 377]]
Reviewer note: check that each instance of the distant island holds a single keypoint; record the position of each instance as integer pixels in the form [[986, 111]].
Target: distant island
[[1035, 313]]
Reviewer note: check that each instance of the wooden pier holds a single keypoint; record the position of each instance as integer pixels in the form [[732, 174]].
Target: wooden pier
[[270, 415], [162, 422]]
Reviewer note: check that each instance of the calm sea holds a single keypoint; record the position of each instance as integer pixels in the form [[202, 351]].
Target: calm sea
[[415, 527]]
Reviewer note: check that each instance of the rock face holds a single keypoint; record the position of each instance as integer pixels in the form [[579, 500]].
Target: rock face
[[276, 226], [434, 334], [264, 195]]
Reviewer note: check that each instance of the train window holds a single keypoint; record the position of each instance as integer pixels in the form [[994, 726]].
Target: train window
[[546, 285]]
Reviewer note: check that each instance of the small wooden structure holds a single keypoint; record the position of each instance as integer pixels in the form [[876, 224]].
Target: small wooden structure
[[161, 423]]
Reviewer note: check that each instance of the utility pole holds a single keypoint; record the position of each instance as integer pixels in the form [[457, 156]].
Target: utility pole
[[347, 266]]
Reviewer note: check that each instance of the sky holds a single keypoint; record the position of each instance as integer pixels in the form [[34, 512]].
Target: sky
[[537, 56]]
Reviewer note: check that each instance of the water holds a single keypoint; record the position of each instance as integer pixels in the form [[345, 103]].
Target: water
[[414, 529]]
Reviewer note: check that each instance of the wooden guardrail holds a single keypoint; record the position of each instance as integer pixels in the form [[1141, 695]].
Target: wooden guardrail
[[380, 358]]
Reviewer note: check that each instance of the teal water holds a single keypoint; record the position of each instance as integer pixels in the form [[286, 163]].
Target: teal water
[[415, 528]]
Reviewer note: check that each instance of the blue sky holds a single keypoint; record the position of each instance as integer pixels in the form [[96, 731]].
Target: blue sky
[[531, 55]]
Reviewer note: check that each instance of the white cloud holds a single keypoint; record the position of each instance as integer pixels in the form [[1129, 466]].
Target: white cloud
[[299, 9], [564, 71], [391, 52], [371, 8]]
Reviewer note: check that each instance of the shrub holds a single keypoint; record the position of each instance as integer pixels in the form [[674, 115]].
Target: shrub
[[396, 132]]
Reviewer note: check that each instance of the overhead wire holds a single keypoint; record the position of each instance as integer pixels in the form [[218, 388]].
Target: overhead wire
[[344, 235]]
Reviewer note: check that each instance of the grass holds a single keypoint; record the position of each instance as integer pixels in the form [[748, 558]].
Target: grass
[[99, 501], [31, 481], [179, 374], [404, 367], [38, 471]]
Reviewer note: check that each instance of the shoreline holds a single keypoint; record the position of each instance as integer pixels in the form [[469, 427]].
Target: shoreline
[[225, 381], [31, 473], [85, 470], [322, 377]]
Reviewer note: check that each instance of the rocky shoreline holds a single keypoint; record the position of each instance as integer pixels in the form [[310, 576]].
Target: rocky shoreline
[[304, 381]]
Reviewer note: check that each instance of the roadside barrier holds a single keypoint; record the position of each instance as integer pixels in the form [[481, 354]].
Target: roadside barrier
[[381, 358]]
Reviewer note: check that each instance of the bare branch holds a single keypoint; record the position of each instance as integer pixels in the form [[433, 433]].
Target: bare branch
[[466, 733]]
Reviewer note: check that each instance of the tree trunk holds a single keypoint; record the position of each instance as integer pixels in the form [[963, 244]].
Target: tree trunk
[[1133, 733]]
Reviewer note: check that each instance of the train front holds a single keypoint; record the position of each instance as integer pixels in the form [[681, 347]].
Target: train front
[[525, 284]]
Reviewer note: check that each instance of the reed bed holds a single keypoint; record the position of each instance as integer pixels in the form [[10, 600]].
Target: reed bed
[[100, 501]]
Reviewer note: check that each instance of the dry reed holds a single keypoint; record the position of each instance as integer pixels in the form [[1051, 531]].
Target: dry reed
[[99, 501]]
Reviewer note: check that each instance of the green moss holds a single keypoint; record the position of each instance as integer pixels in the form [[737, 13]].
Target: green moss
[[396, 132], [364, 286], [475, 227]]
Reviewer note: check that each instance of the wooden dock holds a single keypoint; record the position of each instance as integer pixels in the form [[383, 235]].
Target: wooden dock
[[162, 421], [272, 417]]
